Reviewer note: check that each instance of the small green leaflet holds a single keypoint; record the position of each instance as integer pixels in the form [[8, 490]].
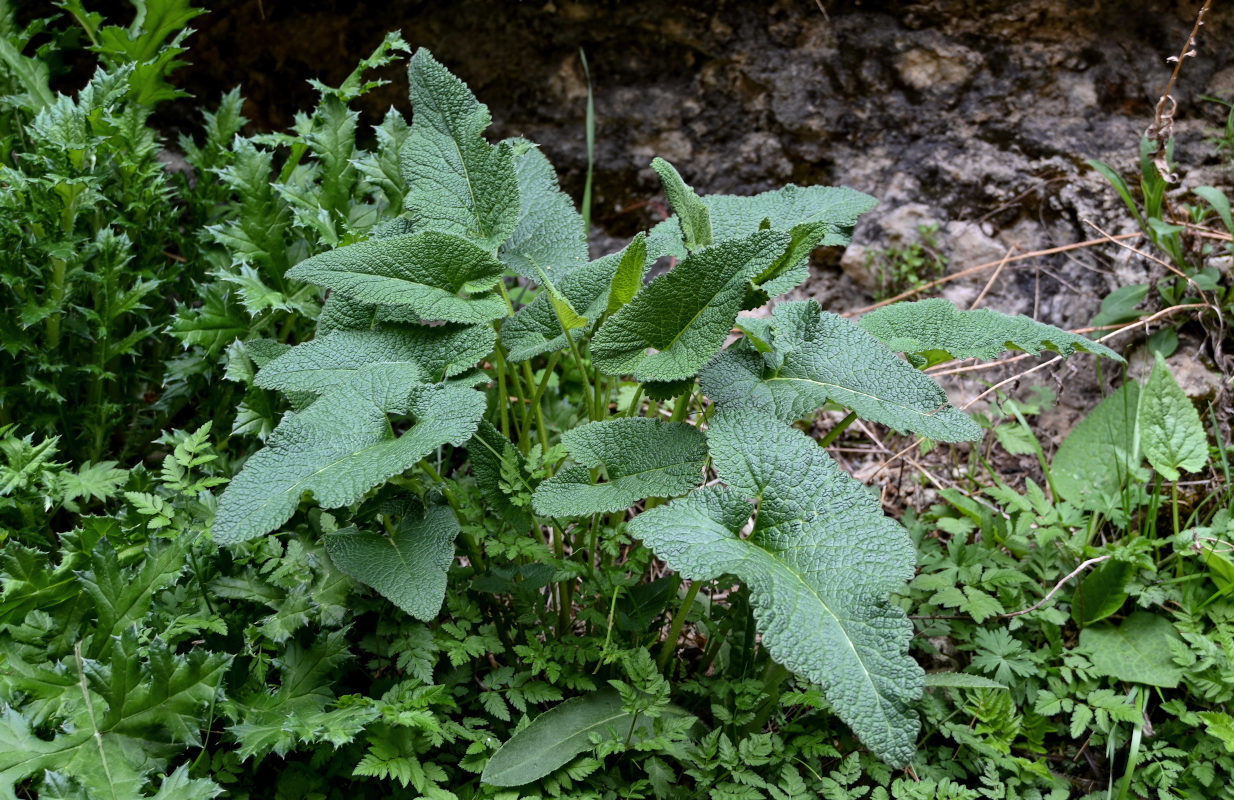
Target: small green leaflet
[[457, 182], [693, 216], [680, 320], [641, 458], [555, 737], [1171, 434], [934, 331], [1220, 725], [436, 275], [343, 445], [438, 352], [960, 680], [1137, 651], [817, 356], [1100, 453], [820, 562], [407, 568], [549, 234]]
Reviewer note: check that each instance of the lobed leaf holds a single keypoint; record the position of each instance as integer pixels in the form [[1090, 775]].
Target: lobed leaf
[[933, 331], [815, 356], [408, 568], [343, 445], [680, 320], [436, 275], [457, 182], [819, 560], [639, 456]]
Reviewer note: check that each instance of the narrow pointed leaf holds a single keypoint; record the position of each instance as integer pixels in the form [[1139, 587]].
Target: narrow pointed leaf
[[820, 562], [549, 235], [640, 458], [342, 446], [408, 568], [679, 321], [817, 356], [629, 276], [457, 182], [438, 276], [691, 212], [1171, 434], [934, 331]]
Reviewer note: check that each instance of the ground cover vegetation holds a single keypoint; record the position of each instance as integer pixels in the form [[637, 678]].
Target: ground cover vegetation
[[333, 465]]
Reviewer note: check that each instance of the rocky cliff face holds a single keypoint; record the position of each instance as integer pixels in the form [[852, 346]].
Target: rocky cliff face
[[973, 115]]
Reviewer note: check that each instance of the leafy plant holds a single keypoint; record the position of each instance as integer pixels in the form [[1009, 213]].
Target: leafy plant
[[385, 404]]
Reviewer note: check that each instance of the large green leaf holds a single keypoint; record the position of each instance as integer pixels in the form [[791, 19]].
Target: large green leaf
[[343, 445], [1171, 434], [1096, 459], [934, 331], [408, 568], [549, 234], [1137, 651], [436, 275], [555, 737], [438, 351], [815, 356], [679, 321], [819, 560], [639, 457], [457, 182]]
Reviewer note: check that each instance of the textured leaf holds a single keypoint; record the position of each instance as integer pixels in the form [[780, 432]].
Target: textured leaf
[[1099, 454], [437, 351], [934, 331], [438, 276], [960, 680], [819, 561], [679, 321], [486, 450], [535, 329], [639, 457], [629, 276], [555, 737], [813, 216], [1102, 592], [817, 356], [692, 215], [549, 234], [1137, 651], [343, 445], [457, 182], [1171, 434], [408, 568]]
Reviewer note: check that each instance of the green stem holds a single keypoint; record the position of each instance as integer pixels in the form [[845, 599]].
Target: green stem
[[634, 404], [534, 405], [503, 394], [679, 621], [682, 407], [773, 676], [840, 427]]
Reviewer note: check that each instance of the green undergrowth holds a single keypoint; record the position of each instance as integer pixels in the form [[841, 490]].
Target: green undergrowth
[[335, 466]]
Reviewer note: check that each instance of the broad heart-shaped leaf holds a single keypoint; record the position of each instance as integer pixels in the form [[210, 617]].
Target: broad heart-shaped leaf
[[817, 356], [692, 215], [640, 458], [1137, 651], [819, 562], [457, 182], [343, 445], [1102, 592], [549, 234], [555, 737], [438, 351], [436, 275], [680, 320], [408, 568], [1096, 459], [813, 216], [934, 331], [535, 329], [1171, 434]]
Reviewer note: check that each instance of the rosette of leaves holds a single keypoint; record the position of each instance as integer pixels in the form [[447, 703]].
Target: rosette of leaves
[[420, 314]]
